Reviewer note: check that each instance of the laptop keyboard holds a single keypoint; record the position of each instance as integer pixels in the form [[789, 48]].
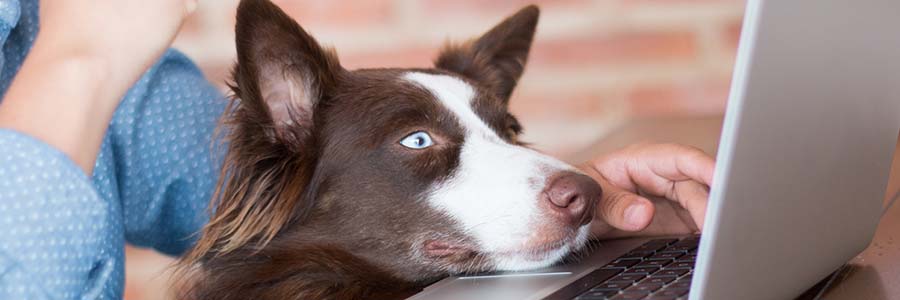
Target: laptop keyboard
[[658, 269]]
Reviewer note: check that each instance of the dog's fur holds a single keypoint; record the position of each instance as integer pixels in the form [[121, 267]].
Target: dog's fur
[[319, 200]]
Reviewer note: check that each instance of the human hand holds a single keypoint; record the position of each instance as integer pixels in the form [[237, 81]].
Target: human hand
[[680, 175]]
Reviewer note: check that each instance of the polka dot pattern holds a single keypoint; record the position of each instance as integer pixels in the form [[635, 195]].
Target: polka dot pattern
[[56, 228], [63, 233]]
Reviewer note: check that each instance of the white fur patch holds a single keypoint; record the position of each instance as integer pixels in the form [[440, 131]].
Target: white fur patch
[[494, 193]]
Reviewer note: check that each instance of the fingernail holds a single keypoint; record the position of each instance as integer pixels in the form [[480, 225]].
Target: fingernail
[[634, 215]]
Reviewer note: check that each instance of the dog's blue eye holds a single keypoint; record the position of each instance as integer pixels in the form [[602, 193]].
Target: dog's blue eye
[[417, 140]]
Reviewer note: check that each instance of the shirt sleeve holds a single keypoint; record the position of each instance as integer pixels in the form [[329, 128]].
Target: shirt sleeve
[[59, 239], [159, 160], [63, 233]]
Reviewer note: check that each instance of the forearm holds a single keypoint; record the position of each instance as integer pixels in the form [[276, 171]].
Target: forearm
[[85, 57], [61, 101], [64, 98]]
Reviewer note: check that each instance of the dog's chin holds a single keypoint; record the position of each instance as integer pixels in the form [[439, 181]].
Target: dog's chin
[[468, 259], [542, 256]]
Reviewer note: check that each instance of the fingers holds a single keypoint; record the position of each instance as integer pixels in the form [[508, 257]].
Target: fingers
[[679, 173], [693, 196], [624, 210], [671, 162], [653, 168], [695, 164]]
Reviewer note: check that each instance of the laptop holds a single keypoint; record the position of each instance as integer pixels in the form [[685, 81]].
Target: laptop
[[803, 162]]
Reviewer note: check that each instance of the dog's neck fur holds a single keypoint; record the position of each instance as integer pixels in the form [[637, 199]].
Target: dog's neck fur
[[294, 272]]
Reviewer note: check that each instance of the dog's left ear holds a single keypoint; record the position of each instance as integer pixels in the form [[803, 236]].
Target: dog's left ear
[[497, 58]]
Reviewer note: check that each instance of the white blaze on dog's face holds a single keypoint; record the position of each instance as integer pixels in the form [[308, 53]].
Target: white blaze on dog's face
[[500, 192]]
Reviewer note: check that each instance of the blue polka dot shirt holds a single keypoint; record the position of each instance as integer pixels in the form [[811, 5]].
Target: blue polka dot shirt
[[62, 233]]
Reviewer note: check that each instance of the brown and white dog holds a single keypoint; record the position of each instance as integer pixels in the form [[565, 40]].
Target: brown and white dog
[[368, 184]]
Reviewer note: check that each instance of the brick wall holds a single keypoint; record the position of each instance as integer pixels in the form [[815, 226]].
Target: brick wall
[[594, 65]]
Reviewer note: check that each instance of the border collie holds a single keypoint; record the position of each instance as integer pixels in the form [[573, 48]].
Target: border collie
[[370, 183]]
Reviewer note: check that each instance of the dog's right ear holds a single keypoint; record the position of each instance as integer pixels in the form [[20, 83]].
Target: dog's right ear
[[282, 73]]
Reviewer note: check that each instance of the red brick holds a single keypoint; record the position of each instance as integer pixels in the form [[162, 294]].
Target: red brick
[[704, 97], [465, 8], [419, 57], [554, 106], [413, 56], [347, 13], [619, 48], [680, 2]]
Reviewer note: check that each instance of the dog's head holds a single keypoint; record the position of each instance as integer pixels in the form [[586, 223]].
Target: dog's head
[[418, 171]]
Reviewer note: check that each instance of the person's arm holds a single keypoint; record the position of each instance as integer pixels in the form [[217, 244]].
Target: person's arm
[[679, 176], [59, 239], [86, 56], [63, 234], [160, 159]]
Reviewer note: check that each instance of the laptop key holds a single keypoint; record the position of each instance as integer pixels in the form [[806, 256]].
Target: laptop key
[[667, 255], [630, 278], [681, 248], [642, 270], [629, 297], [658, 279], [661, 242], [644, 287], [655, 263], [688, 258], [637, 254], [655, 245], [671, 272], [672, 292], [584, 283], [681, 265], [657, 297], [623, 263], [593, 297], [689, 241], [611, 286], [681, 284]]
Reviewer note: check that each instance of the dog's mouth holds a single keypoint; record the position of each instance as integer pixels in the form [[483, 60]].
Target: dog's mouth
[[461, 252]]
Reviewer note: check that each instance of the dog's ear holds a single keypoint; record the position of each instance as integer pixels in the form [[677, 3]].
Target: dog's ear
[[281, 75], [497, 58]]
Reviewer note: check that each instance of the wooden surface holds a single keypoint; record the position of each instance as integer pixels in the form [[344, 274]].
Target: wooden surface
[[873, 274]]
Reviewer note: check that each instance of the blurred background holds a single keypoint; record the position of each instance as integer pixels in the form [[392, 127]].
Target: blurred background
[[596, 65]]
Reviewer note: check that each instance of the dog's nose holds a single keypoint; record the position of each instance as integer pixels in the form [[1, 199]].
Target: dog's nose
[[570, 197]]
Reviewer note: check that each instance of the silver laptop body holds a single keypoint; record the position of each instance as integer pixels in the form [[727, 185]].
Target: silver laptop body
[[803, 161]]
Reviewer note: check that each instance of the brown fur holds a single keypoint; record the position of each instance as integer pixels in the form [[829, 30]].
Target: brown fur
[[309, 272], [311, 203]]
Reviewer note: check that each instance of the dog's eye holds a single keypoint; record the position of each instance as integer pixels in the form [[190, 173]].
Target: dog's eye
[[417, 140]]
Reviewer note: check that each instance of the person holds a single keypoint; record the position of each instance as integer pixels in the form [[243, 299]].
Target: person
[[105, 139]]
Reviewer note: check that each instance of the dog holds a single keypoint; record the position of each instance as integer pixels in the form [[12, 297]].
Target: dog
[[371, 183]]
